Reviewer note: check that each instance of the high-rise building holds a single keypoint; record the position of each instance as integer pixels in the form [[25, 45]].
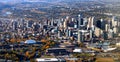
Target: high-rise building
[[75, 25], [81, 36], [65, 24], [118, 23], [79, 20], [107, 27], [91, 34], [52, 22], [59, 34], [101, 24], [105, 35], [36, 26], [22, 21], [14, 25], [115, 30], [98, 32], [90, 23], [69, 33], [113, 21], [30, 23], [110, 33]]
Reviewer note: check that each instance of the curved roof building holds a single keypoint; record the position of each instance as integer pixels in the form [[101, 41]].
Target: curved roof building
[[30, 42]]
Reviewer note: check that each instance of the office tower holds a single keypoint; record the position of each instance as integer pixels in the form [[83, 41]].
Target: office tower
[[22, 21], [59, 34], [14, 25], [90, 23], [98, 32], [107, 27], [91, 34], [67, 33], [70, 33], [105, 35], [85, 23], [72, 19], [110, 33], [65, 23], [115, 30], [11, 23], [113, 24], [81, 36], [92, 20], [113, 21], [29, 23], [75, 25], [79, 20], [35, 26], [82, 22], [85, 20], [44, 31], [103, 23], [118, 23], [100, 24], [61, 25], [67, 17], [48, 22], [52, 22], [58, 22], [118, 27], [62, 20]]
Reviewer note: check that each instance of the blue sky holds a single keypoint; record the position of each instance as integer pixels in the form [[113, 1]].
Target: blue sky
[[14, 1]]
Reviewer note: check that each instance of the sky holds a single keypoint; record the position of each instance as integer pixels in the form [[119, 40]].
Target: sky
[[18, 1]]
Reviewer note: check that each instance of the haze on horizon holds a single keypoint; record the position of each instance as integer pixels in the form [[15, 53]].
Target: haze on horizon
[[18, 1]]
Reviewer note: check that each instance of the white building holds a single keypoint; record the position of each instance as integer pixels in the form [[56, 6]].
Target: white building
[[77, 50], [50, 60]]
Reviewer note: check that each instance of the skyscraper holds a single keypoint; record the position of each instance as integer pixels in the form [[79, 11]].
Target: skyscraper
[[107, 27], [65, 22], [90, 23], [79, 21], [52, 22], [81, 35]]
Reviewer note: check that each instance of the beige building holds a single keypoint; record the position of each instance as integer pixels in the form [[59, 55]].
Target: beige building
[[98, 31]]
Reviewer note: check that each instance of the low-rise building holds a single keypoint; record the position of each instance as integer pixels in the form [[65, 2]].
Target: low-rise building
[[50, 60]]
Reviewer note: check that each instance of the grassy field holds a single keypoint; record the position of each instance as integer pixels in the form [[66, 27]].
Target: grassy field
[[104, 60]]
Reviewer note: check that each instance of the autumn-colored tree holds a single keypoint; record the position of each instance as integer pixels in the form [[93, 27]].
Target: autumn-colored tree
[[81, 45], [13, 40], [27, 54], [34, 49], [7, 56], [18, 40], [47, 47], [43, 40]]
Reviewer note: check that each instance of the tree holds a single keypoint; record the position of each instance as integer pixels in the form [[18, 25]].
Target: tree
[[81, 45], [13, 40], [43, 40], [27, 54]]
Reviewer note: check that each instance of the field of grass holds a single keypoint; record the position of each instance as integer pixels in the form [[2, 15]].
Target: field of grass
[[104, 60]]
